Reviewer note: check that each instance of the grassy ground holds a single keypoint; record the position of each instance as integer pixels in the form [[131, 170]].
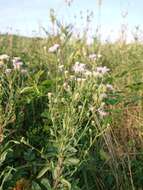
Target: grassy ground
[[69, 126]]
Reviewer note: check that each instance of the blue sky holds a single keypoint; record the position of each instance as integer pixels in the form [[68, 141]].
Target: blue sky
[[25, 16]]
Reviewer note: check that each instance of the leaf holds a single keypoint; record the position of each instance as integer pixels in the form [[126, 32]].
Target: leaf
[[112, 101], [27, 89], [35, 186], [136, 86], [16, 142], [43, 171], [71, 161], [72, 150], [104, 155], [66, 183], [45, 183], [38, 75], [122, 74], [3, 157]]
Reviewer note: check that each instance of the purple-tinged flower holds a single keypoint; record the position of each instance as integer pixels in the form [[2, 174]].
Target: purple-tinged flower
[[102, 70], [54, 48], [79, 67], [17, 64]]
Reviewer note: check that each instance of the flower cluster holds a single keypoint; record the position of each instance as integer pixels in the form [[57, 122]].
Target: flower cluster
[[82, 73], [9, 64], [79, 67]]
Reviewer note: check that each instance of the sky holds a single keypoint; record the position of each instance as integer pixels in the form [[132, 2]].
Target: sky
[[26, 16]]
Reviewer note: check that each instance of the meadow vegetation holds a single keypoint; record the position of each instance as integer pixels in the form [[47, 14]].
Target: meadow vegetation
[[71, 114]]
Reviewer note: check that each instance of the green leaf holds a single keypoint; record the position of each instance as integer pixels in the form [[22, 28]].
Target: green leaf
[[104, 155], [43, 171], [3, 157], [27, 89], [112, 101], [35, 186], [71, 161], [66, 183], [45, 183], [38, 75]]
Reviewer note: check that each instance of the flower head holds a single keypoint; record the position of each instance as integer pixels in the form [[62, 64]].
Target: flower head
[[101, 112], [54, 48], [79, 67], [24, 71], [109, 87], [17, 64], [102, 70], [4, 57], [8, 71], [16, 59], [93, 56]]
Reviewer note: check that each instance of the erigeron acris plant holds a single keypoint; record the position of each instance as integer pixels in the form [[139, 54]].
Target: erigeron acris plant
[[100, 89], [10, 81]]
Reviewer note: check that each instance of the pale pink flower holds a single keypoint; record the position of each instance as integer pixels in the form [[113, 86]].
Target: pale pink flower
[[54, 48], [102, 70], [93, 56], [17, 64], [79, 67]]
